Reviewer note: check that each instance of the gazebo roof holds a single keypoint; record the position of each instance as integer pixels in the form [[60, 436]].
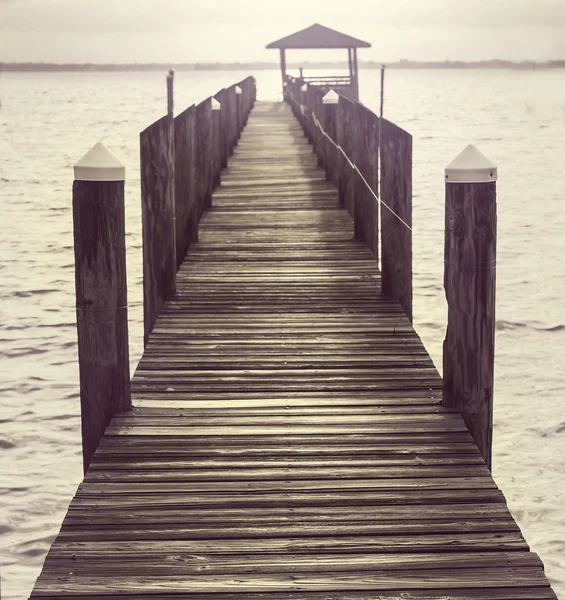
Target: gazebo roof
[[318, 36]]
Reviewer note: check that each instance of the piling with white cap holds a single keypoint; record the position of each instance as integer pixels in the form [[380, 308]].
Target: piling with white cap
[[101, 293], [238, 112], [330, 104], [470, 289], [332, 97], [216, 148]]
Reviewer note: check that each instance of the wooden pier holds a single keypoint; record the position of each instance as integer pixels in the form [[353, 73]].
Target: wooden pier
[[287, 438]]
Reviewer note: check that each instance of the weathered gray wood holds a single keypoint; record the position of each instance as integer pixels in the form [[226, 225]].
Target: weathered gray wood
[[330, 124], [101, 307], [171, 154], [230, 100], [396, 197], [224, 152], [203, 156], [288, 439], [184, 181], [283, 69], [170, 93], [216, 149], [158, 221], [470, 286]]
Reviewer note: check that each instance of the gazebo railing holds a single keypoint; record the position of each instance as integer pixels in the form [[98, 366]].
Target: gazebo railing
[[328, 80]]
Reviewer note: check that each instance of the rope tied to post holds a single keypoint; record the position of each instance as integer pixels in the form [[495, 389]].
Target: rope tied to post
[[356, 168]]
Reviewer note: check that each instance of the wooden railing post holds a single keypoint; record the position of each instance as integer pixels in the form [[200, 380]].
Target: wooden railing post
[[330, 106], [238, 110], [396, 214], [171, 155], [158, 221], [216, 142], [170, 94], [470, 285], [101, 293]]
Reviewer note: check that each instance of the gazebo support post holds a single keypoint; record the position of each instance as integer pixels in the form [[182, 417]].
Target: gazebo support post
[[283, 67], [355, 80]]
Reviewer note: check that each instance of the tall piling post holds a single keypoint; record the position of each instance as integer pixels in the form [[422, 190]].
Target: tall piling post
[[101, 293], [238, 109], [330, 104], [171, 159], [217, 142], [379, 143], [304, 110], [470, 289]]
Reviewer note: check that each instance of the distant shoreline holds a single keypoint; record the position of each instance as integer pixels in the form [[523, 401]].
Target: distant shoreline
[[266, 66]]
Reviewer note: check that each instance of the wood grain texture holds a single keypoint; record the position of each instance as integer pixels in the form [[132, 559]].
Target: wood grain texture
[[101, 307], [331, 125], [203, 156], [158, 221], [216, 162], [288, 439], [396, 193], [184, 181], [224, 151], [366, 157], [470, 289], [347, 136]]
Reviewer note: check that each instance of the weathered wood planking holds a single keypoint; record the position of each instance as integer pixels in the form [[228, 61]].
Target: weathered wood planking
[[158, 221], [396, 194], [287, 440]]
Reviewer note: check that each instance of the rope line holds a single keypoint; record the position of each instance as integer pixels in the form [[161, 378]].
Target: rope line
[[356, 168]]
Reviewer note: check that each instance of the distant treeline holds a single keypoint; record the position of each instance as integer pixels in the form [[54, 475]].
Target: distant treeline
[[256, 66]]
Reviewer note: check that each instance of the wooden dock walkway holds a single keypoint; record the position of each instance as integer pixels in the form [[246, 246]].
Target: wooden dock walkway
[[287, 439]]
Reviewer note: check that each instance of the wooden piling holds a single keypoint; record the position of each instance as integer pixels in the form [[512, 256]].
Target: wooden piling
[[170, 92], [366, 159], [171, 148], [396, 214], [203, 132], [158, 221], [470, 285], [101, 293], [216, 142], [330, 104], [185, 228], [238, 111]]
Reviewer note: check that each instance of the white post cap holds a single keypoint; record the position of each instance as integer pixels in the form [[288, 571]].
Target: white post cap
[[332, 97], [471, 166], [99, 164], [304, 87], [216, 105], [238, 90]]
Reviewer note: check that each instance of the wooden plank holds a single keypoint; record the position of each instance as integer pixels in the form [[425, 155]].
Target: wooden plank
[[287, 439]]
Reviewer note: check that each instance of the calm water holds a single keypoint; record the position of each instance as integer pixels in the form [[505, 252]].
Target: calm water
[[48, 121]]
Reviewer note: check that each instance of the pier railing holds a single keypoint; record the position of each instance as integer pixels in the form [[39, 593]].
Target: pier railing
[[181, 161], [345, 135], [369, 160]]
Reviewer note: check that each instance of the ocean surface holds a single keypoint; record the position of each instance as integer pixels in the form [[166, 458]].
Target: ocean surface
[[48, 121]]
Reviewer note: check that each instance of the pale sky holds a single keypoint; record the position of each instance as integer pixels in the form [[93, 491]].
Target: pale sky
[[190, 31]]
